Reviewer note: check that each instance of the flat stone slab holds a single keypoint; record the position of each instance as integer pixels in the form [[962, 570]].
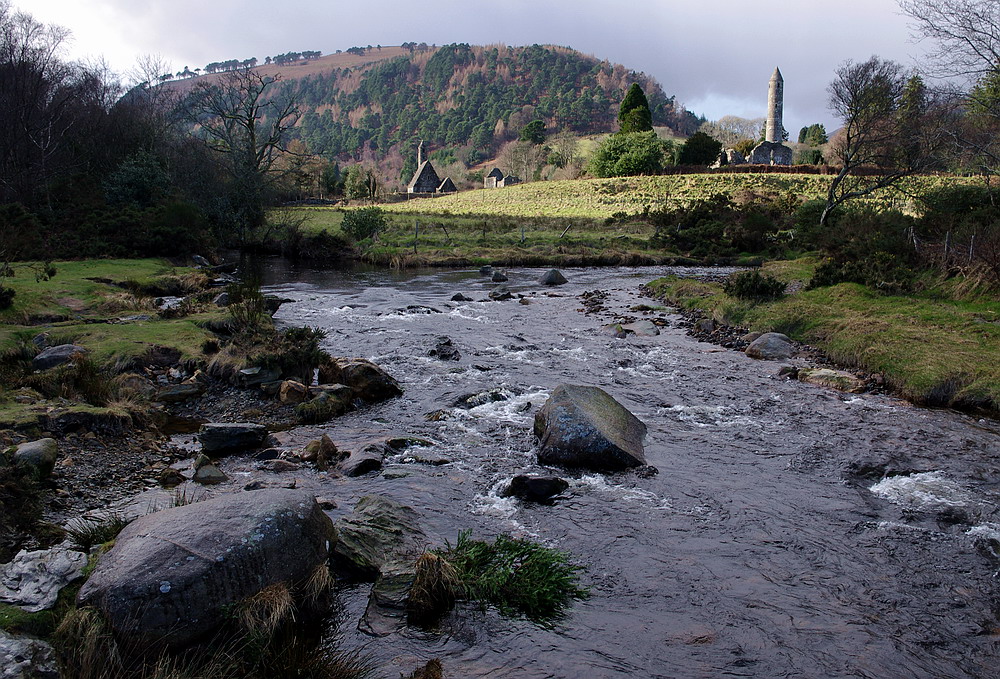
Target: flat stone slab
[[57, 355]]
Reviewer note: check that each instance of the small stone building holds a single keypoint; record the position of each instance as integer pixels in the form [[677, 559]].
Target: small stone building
[[496, 179]]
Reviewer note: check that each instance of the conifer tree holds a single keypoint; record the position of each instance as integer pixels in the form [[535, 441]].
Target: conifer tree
[[634, 115]]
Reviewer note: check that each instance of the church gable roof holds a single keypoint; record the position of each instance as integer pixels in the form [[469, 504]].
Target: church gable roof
[[425, 179]]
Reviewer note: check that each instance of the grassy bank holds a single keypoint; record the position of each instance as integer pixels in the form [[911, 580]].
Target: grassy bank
[[106, 306], [935, 347]]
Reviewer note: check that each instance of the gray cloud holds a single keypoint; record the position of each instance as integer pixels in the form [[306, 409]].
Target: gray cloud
[[716, 56]]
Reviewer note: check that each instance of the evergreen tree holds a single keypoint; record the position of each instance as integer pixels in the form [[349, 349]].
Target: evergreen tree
[[634, 114]]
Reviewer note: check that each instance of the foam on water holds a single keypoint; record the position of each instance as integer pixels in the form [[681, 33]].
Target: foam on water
[[718, 416], [600, 484], [922, 491]]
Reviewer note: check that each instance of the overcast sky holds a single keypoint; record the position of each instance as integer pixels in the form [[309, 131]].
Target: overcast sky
[[715, 56]]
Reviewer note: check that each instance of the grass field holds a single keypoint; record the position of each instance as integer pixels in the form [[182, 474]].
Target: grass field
[[933, 347], [578, 222]]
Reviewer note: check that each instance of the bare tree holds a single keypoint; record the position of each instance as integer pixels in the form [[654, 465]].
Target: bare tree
[[966, 34], [732, 129], [891, 129], [238, 117]]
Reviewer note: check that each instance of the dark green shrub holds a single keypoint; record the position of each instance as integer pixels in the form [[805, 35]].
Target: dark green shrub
[[700, 149], [754, 286], [293, 352], [363, 223]]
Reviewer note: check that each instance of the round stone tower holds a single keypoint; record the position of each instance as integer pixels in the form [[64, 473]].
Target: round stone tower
[[775, 99]]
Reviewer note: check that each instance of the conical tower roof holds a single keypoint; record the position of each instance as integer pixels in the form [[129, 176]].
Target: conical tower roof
[[777, 75]]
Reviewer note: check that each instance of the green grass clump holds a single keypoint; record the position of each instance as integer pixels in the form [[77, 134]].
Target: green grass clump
[[517, 576]]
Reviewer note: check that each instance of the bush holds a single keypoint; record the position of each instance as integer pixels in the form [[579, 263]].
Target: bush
[[363, 223], [6, 297], [754, 286], [627, 155]]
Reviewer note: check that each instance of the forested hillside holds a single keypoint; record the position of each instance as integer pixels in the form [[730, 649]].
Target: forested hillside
[[469, 99]]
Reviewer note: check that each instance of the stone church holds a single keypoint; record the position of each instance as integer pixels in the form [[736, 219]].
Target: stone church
[[426, 180]]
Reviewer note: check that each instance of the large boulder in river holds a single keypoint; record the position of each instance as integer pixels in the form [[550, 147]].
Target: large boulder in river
[[771, 346], [535, 488], [231, 437], [581, 426], [174, 576], [57, 355], [367, 381]]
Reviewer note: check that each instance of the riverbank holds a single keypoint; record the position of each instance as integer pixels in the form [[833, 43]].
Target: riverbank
[[936, 347]]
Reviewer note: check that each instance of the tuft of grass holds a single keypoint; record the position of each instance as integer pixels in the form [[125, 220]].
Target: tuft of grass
[[88, 531], [435, 588], [517, 576], [263, 613]]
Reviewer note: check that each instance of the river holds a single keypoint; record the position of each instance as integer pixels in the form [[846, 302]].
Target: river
[[768, 545]]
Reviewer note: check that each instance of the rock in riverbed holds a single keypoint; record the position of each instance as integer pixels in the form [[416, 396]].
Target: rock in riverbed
[[535, 488], [40, 455], [173, 576], [367, 381], [771, 346], [581, 426], [218, 439]]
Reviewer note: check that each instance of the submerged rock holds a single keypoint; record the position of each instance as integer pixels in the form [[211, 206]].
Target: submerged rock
[[500, 294], [33, 580], [499, 277], [446, 350], [535, 488], [173, 577], [582, 426], [387, 605], [771, 346], [358, 463], [459, 297]]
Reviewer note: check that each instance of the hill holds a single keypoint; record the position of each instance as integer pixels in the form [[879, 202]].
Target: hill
[[375, 104]]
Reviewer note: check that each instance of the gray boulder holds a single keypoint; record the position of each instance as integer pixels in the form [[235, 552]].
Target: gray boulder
[[33, 580], [379, 531], [222, 299], [40, 455], [26, 658], [553, 277], [173, 576], [57, 355], [771, 346], [459, 297], [209, 475], [499, 277], [218, 439], [367, 381], [256, 376], [581, 426]]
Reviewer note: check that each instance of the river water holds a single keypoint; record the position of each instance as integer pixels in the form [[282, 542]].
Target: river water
[[769, 544]]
